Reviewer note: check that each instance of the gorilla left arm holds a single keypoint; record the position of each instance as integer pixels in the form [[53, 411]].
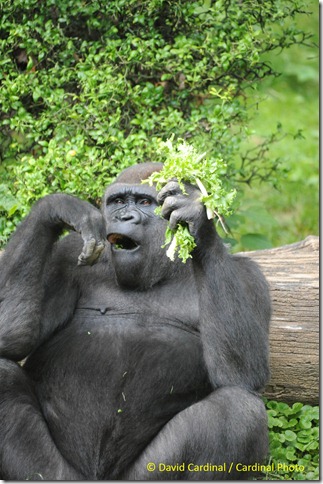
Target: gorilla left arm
[[37, 288], [233, 296]]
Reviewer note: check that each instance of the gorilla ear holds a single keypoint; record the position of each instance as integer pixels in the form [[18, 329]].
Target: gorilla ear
[[136, 173]]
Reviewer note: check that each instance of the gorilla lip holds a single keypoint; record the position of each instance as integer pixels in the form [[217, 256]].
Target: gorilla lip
[[122, 242]]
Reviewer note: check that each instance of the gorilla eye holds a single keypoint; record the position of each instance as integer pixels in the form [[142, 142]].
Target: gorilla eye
[[118, 201], [145, 201]]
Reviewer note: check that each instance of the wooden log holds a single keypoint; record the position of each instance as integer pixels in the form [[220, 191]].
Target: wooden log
[[293, 274]]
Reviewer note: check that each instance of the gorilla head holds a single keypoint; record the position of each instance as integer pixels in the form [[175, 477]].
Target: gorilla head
[[134, 231]]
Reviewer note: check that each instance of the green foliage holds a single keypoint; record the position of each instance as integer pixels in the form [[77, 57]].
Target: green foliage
[[90, 88], [180, 242], [251, 224], [8, 209], [182, 161], [294, 441]]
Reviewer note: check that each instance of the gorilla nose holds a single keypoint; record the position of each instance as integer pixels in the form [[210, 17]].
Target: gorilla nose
[[129, 216]]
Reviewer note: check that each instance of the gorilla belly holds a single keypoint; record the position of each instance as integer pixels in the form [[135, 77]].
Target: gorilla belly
[[108, 383]]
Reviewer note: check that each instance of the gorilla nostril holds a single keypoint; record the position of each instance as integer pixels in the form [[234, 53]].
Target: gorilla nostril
[[129, 216], [126, 216]]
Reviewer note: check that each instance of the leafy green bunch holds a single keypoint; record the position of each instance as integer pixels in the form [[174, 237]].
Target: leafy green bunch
[[183, 162]]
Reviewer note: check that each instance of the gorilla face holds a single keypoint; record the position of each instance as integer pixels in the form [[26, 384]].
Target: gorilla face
[[136, 234]]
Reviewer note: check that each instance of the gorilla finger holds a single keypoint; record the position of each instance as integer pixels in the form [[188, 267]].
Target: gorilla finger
[[170, 204], [98, 250], [175, 218], [191, 215], [171, 188], [94, 256], [90, 253]]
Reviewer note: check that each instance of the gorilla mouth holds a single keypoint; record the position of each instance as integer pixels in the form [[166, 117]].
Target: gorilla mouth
[[122, 242]]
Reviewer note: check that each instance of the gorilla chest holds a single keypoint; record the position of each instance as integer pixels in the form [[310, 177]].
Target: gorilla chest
[[107, 351], [102, 365], [172, 302]]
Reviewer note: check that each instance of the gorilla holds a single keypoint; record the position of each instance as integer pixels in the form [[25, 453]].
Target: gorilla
[[134, 367]]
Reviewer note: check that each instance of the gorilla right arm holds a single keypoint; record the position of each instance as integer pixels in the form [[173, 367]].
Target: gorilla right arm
[[37, 294]]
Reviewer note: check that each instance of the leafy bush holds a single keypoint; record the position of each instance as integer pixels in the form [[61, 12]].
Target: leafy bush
[[88, 88], [294, 441]]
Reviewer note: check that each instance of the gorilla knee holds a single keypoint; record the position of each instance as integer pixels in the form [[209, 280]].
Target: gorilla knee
[[246, 420]]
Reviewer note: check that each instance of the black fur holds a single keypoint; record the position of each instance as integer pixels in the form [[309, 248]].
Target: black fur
[[131, 358]]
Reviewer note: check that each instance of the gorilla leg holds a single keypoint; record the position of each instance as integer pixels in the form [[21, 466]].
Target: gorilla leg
[[27, 450], [227, 428]]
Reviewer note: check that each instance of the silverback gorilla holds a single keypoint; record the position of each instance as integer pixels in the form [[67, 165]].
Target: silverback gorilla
[[137, 367]]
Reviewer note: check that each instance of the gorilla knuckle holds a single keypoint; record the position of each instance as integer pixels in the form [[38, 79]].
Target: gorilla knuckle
[[171, 202], [171, 188], [175, 218]]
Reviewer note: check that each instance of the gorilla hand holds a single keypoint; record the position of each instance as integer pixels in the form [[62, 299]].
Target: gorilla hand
[[179, 207], [61, 211]]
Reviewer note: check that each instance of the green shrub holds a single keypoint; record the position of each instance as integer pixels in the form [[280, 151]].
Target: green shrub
[[294, 441], [88, 88]]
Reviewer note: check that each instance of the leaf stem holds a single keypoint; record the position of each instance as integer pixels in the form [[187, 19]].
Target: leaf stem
[[171, 249], [209, 212]]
